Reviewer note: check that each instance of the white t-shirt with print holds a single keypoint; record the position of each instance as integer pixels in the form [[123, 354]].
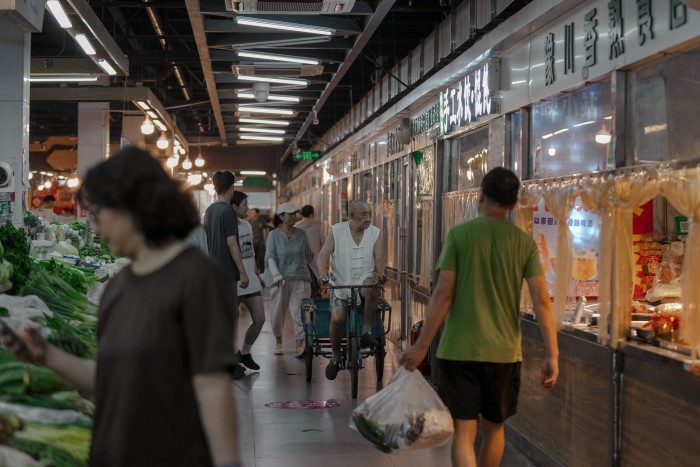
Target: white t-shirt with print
[[245, 243]]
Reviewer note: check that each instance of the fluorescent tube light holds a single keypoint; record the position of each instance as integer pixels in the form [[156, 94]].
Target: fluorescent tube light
[[59, 13], [253, 172], [263, 122], [61, 79], [563, 130], [152, 114], [584, 123], [84, 42], [279, 58], [143, 105], [160, 125], [548, 136], [262, 138], [109, 69], [250, 95], [264, 79], [265, 110], [262, 130], [264, 23]]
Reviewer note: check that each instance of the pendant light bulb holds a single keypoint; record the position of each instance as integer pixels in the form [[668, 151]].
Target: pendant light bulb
[[147, 127], [162, 142], [187, 163], [171, 162], [199, 161]]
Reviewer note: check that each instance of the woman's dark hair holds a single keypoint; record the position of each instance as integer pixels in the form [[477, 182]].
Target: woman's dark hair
[[501, 186], [276, 221], [238, 197], [223, 181], [132, 180]]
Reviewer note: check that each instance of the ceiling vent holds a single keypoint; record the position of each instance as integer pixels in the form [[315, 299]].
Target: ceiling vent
[[280, 70], [293, 7]]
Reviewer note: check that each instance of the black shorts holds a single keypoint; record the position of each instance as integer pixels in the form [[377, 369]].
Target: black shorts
[[242, 298], [472, 388]]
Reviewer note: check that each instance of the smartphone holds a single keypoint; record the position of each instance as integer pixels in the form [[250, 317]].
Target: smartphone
[[13, 336]]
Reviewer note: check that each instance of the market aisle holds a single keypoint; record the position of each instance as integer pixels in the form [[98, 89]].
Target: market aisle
[[274, 437]]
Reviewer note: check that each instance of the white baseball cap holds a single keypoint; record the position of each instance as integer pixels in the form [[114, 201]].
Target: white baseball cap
[[288, 208]]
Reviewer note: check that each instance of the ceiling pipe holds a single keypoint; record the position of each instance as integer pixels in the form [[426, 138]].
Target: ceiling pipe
[[155, 22]]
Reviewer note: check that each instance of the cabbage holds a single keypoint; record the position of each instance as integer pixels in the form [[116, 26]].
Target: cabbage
[[66, 249]]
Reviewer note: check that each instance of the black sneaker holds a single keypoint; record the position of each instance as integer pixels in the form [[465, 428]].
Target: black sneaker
[[332, 370], [248, 361], [237, 372], [368, 340]]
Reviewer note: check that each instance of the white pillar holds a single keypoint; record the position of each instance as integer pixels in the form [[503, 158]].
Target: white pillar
[[14, 120], [131, 131], [93, 135]]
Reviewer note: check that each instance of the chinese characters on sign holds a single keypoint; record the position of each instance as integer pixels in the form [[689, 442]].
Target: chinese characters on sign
[[678, 13], [645, 21], [306, 156], [589, 42], [645, 29], [425, 122], [549, 59], [470, 98], [568, 48], [616, 33]]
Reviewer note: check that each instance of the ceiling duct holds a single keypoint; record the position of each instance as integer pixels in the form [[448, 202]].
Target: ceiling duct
[[277, 69], [292, 7]]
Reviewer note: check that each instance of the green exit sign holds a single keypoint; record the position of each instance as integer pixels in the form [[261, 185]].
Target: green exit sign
[[306, 156]]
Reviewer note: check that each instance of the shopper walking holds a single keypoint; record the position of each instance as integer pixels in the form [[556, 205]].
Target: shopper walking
[[312, 227], [250, 296], [221, 226], [356, 258], [259, 227], [162, 391], [482, 267], [287, 272]]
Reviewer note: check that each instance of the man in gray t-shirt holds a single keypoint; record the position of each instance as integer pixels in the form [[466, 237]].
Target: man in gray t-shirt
[[221, 226]]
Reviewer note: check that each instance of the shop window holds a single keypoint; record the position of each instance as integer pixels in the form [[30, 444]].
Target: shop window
[[473, 158], [388, 224], [568, 132], [664, 108], [515, 151]]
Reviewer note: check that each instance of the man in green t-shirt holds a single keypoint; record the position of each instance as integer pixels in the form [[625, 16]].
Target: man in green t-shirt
[[482, 266]]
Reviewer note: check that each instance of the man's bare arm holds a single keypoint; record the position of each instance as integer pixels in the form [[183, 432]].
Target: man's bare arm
[[325, 254], [545, 318]]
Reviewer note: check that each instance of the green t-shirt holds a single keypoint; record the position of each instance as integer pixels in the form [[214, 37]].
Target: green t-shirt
[[491, 258]]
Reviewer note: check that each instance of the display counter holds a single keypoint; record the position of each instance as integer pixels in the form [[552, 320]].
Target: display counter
[[641, 395]]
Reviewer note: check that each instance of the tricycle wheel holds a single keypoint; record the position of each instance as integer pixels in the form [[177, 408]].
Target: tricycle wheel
[[354, 365], [379, 355], [309, 360]]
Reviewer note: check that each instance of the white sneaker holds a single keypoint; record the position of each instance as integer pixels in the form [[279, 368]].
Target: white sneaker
[[301, 350], [278, 349]]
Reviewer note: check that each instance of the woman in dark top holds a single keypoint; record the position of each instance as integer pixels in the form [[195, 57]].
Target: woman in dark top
[[163, 394]]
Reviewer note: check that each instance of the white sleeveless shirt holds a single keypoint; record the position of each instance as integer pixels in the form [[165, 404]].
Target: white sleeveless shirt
[[351, 263]]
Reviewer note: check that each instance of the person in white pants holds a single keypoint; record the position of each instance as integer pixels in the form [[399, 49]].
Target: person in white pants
[[287, 257]]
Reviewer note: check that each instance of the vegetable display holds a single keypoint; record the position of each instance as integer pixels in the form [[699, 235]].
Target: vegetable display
[[16, 252]]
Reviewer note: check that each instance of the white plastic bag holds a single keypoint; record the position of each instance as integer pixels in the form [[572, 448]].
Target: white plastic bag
[[406, 414]]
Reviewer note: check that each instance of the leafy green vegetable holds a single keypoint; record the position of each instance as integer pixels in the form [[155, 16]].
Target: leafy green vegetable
[[77, 338], [61, 446], [16, 248], [75, 277], [59, 296], [4, 312]]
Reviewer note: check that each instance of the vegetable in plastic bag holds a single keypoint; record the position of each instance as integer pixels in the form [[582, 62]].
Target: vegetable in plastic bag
[[406, 414]]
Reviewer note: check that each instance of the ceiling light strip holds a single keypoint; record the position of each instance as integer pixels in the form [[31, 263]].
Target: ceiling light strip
[[107, 67], [265, 110], [84, 42], [250, 95], [263, 23], [59, 13], [266, 79], [271, 131], [61, 79], [262, 138], [263, 121], [279, 58]]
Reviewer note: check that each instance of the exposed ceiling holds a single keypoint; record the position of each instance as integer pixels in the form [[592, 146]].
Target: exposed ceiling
[[188, 53]]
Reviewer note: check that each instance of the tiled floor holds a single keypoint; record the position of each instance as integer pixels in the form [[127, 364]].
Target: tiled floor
[[273, 437]]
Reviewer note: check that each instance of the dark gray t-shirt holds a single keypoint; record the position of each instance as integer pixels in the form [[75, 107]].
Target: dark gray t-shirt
[[220, 222], [155, 333]]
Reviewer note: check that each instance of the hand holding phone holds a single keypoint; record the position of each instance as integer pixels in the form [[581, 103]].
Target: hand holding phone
[[18, 346]]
